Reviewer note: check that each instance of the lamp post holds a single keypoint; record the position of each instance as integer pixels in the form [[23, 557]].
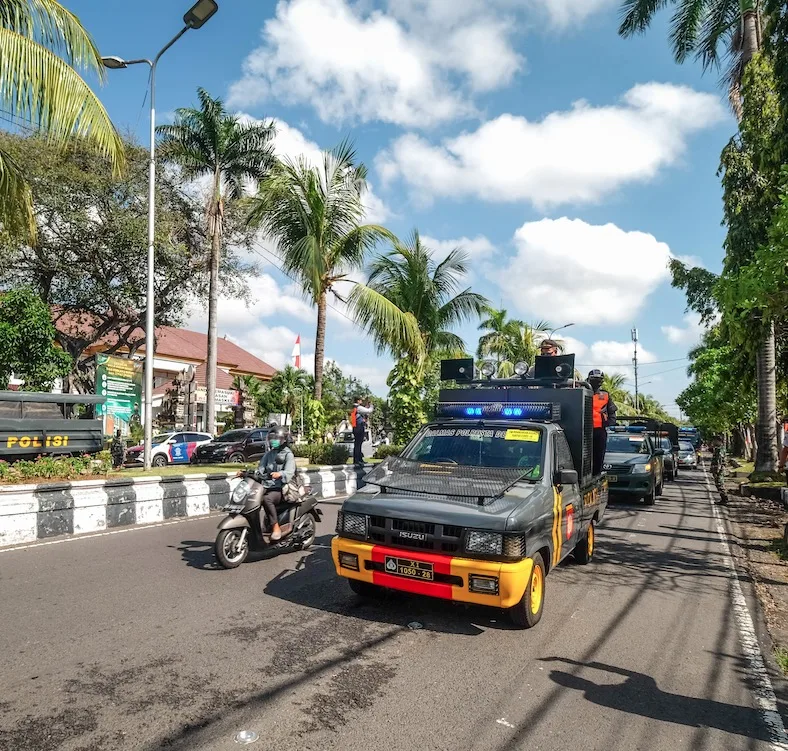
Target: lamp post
[[560, 328], [194, 18]]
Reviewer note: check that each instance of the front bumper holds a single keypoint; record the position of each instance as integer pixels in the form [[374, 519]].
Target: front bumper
[[688, 463], [454, 572], [639, 485]]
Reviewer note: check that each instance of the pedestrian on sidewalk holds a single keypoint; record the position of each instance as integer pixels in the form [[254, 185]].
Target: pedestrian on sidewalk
[[358, 419]]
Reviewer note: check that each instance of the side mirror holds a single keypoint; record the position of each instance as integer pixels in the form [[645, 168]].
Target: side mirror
[[565, 477], [170, 441], [659, 452]]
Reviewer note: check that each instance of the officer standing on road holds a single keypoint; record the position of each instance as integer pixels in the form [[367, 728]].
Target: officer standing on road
[[604, 415], [358, 419]]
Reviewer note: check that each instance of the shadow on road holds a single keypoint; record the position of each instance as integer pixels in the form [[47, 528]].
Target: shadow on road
[[640, 695]]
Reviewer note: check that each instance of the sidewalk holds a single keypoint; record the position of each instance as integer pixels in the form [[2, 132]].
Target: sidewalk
[[758, 526]]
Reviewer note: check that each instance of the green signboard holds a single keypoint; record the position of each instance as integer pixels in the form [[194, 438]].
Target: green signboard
[[120, 380]]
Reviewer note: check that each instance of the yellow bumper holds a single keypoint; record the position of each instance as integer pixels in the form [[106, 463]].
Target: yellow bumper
[[451, 574]]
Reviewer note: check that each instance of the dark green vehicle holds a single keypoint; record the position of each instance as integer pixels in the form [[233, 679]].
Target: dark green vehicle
[[483, 503], [634, 464], [34, 424]]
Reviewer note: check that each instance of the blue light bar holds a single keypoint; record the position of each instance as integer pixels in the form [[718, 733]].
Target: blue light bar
[[627, 429], [497, 410]]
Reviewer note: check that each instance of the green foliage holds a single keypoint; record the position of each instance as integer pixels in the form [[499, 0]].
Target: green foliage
[[339, 391], [289, 387], [384, 452], [314, 421], [55, 468], [406, 400], [509, 341], [323, 454], [27, 347], [89, 264]]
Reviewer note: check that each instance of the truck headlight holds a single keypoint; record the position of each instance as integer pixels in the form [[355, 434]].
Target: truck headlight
[[487, 543], [641, 469], [352, 524]]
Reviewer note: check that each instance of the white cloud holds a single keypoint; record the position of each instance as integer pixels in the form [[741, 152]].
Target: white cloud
[[373, 376], [474, 247], [577, 156], [610, 356], [688, 335], [565, 13], [568, 270], [415, 66]]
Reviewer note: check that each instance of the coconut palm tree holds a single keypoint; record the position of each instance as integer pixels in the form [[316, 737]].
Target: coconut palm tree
[[290, 384], [314, 214], [426, 294], [43, 49], [614, 385], [705, 29], [210, 142], [499, 330]]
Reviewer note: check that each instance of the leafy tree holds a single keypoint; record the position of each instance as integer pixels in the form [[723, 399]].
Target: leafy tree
[[427, 296], [314, 214], [339, 391], [27, 348], [87, 261], [291, 385], [211, 142], [44, 48], [499, 331]]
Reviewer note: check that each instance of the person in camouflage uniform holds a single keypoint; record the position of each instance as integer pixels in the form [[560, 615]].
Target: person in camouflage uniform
[[718, 461]]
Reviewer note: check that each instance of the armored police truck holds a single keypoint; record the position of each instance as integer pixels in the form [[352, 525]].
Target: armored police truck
[[484, 502], [34, 424]]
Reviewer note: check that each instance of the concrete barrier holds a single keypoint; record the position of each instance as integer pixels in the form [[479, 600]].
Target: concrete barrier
[[36, 512]]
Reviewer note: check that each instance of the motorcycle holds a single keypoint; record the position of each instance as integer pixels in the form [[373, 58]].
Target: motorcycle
[[242, 529]]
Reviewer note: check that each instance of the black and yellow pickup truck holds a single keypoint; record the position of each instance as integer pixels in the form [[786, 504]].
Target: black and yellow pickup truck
[[483, 503]]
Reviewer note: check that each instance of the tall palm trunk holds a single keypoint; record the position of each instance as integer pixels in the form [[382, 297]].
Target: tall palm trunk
[[766, 429], [320, 345], [215, 227]]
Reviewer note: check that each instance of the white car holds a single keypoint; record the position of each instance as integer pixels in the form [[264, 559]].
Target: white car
[[688, 457], [176, 447]]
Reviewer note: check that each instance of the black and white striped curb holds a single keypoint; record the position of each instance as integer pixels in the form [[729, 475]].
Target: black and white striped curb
[[36, 512]]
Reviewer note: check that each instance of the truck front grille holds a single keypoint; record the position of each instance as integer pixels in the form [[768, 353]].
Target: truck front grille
[[408, 533]]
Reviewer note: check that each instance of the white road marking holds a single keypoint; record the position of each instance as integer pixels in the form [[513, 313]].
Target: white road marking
[[503, 721], [764, 692]]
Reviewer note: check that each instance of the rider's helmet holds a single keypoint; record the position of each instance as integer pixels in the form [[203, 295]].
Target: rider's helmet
[[278, 437], [595, 377]]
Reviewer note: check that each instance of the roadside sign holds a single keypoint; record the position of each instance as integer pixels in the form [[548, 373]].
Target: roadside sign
[[120, 381]]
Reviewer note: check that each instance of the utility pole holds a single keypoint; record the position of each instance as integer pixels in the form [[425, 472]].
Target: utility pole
[[635, 363]]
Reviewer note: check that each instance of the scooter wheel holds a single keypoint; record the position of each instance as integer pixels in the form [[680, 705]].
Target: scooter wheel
[[228, 553]]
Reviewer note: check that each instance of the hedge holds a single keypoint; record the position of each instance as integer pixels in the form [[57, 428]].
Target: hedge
[[385, 451], [323, 454], [56, 468]]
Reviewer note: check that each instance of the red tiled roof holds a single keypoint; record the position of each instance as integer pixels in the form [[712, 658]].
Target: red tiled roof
[[180, 344], [223, 379]]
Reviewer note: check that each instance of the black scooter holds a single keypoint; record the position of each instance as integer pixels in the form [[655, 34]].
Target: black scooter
[[242, 530]]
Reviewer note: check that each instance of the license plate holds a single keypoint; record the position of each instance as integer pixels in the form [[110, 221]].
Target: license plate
[[410, 569], [612, 478]]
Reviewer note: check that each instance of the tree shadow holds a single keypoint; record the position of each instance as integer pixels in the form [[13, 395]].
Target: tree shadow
[[640, 695]]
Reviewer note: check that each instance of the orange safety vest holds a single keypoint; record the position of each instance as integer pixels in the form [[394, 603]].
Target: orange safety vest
[[353, 417], [601, 400]]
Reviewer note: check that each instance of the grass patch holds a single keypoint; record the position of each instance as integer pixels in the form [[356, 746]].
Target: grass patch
[[748, 467], [779, 548], [181, 469], [781, 655], [769, 484]]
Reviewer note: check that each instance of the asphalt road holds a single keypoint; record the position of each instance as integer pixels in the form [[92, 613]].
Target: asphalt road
[[136, 641]]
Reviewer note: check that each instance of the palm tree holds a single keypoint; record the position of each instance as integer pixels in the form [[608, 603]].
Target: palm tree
[[314, 214], [211, 142], [524, 345], [426, 296], [499, 332], [614, 385], [290, 385], [43, 47], [702, 28]]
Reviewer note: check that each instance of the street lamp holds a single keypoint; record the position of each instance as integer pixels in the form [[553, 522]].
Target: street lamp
[[194, 18], [560, 328]]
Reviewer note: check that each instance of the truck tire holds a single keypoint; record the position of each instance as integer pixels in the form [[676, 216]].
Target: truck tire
[[528, 612], [584, 550], [650, 497]]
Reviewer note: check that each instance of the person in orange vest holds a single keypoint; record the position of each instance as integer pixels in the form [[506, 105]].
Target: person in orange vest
[[604, 415], [358, 420]]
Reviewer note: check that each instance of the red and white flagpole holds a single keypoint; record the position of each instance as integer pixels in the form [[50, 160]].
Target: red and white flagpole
[[297, 353]]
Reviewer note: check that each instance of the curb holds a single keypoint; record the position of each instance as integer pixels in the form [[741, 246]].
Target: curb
[[36, 512]]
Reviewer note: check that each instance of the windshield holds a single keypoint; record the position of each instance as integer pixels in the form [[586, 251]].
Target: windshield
[[161, 437], [232, 436], [665, 443], [686, 446], [481, 447], [626, 444]]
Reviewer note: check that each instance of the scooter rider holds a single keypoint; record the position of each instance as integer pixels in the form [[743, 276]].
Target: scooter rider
[[278, 468]]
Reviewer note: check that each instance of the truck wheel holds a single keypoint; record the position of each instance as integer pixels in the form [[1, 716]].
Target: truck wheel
[[650, 497], [159, 460], [362, 589], [584, 550], [528, 612]]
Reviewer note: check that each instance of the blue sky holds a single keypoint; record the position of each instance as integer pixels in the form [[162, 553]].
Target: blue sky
[[571, 163]]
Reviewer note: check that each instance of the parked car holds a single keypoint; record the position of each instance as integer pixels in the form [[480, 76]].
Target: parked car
[[233, 447], [169, 448], [671, 457], [345, 438], [688, 457]]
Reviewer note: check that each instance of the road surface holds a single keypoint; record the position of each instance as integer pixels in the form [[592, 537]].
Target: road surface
[[136, 641]]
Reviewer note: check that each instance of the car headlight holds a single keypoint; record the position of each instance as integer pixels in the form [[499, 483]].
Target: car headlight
[[641, 469], [487, 543], [352, 524]]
